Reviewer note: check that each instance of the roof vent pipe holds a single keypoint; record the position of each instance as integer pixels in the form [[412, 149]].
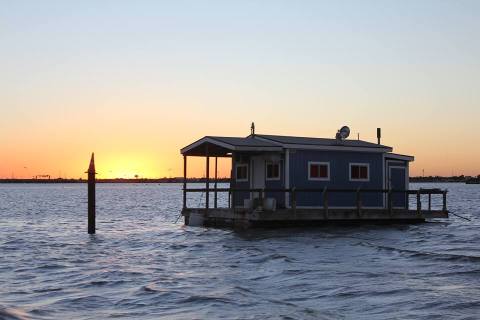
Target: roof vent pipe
[[379, 134]]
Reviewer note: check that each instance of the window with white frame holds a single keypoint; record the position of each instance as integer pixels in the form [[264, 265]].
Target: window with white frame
[[319, 171], [272, 171], [359, 172], [241, 172]]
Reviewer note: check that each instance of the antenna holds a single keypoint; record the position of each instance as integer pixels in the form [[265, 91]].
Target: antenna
[[343, 133], [252, 129]]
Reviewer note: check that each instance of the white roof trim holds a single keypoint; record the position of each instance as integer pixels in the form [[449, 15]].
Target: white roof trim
[[336, 148], [319, 147], [399, 157]]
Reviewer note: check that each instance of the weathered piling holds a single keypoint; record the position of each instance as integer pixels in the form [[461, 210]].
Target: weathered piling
[[91, 195]]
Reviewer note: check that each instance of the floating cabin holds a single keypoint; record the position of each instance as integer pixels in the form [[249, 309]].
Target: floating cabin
[[288, 181]]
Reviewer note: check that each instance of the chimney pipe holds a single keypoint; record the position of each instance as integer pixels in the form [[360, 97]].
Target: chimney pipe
[[379, 134]]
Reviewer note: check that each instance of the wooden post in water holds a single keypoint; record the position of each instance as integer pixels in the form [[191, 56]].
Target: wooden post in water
[[91, 195]]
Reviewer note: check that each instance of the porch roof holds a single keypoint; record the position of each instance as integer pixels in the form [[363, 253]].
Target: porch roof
[[397, 156], [222, 146]]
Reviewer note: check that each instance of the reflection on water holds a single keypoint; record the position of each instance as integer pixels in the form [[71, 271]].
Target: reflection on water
[[142, 265]]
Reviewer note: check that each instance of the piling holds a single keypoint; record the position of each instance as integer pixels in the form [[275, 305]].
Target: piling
[[91, 195]]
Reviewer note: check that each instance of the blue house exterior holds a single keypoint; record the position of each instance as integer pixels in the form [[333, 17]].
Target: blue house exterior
[[282, 162]]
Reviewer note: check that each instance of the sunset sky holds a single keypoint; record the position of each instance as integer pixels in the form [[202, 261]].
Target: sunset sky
[[135, 81]]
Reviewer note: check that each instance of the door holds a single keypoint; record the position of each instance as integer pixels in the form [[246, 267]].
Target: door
[[258, 174], [398, 182]]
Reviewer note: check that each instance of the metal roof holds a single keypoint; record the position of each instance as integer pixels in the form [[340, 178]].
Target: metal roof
[[263, 142], [292, 140], [244, 142]]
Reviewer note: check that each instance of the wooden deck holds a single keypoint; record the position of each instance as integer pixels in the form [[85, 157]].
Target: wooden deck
[[225, 217], [296, 216]]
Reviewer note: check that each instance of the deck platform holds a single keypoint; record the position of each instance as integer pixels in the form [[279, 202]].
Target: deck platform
[[242, 218]]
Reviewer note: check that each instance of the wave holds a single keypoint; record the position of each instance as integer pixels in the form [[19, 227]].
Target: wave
[[205, 299], [13, 314], [426, 254]]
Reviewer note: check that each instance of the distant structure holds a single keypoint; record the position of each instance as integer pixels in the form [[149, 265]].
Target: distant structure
[[47, 176]]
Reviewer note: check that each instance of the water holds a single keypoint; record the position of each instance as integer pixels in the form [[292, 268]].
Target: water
[[141, 265]]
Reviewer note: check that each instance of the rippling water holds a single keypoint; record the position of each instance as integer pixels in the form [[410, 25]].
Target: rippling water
[[142, 265]]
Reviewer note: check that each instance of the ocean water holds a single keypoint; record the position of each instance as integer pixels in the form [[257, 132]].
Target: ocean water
[[143, 265]]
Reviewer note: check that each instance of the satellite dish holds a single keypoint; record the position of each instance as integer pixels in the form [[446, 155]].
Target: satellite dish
[[343, 133]]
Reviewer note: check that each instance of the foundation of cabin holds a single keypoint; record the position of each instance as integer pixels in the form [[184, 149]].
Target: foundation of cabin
[[244, 219]]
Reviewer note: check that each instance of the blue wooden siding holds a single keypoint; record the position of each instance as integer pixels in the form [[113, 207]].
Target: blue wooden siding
[[397, 180], [269, 184], [277, 184], [396, 163], [339, 177], [240, 196]]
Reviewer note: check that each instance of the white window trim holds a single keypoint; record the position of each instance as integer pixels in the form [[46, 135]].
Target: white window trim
[[358, 164], [266, 175], [319, 163], [238, 165]]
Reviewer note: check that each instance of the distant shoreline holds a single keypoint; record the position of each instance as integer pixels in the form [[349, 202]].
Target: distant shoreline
[[202, 180], [117, 180]]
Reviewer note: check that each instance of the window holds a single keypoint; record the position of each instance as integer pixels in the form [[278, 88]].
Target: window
[[359, 172], [319, 171], [241, 173], [273, 171]]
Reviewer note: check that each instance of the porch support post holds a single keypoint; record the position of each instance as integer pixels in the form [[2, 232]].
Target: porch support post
[[444, 201], [419, 203], [407, 196], [287, 177], [207, 175], [184, 181], [232, 180], [429, 202], [215, 185]]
